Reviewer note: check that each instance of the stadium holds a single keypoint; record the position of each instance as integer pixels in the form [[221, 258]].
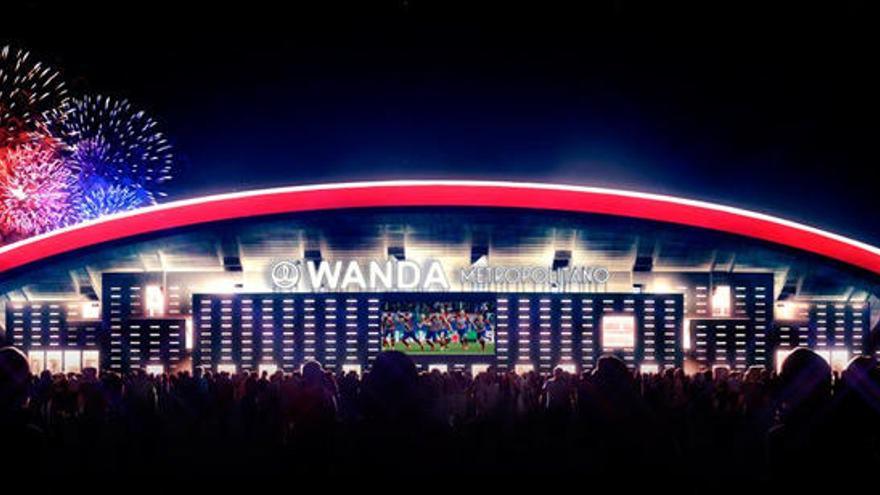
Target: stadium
[[459, 274]]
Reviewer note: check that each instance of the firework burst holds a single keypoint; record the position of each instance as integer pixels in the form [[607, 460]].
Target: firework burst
[[31, 94], [100, 200], [110, 141], [36, 187]]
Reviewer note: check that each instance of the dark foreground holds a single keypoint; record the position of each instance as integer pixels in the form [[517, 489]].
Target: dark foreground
[[698, 434]]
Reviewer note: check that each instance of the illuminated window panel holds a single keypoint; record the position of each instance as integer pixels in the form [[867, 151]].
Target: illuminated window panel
[[522, 369], [155, 301], [567, 367], [618, 332], [268, 368], [476, 369], [37, 361], [154, 369], [72, 361], [349, 368], [721, 301], [649, 368], [836, 358], [226, 368], [90, 310], [54, 362], [91, 359]]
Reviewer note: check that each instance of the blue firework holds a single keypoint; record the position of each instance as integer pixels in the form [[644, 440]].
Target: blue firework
[[110, 141], [101, 200]]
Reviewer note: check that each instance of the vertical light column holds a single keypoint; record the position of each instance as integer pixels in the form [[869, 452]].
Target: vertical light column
[[17, 328], [206, 325], [247, 327], [784, 334], [649, 346], [502, 333], [740, 308], [288, 318], [351, 330], [175, 342], [524, 327], [722, 338], [136, 306], [672, 321], [373, 337], [762, 320], [267, 334], [545, 348], [174, 300], [588, 337], [115, 322], [838, 319], [822, 325], [565, 332], [330, 333], [135, 342], [309, 329], [740, 345], [701, 301], [226, 357], [54, 325], [802, 336], [154, 344], [629, 354], [701, 342]]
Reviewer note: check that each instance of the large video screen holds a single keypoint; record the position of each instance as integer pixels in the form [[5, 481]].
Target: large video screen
[[437, 327]]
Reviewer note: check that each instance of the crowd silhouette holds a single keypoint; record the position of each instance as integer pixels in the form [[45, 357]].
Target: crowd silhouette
[[752, 429]]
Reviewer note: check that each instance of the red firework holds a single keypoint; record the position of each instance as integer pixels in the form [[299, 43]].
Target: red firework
[[35, 190]]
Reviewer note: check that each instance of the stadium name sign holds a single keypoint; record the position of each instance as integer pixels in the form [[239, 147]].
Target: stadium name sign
[[395, 275], [534, 275]]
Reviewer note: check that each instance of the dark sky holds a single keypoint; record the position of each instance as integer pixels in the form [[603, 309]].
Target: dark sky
[[769, 109]]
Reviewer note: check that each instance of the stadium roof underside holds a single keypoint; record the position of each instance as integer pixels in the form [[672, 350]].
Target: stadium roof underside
[[460, 223]]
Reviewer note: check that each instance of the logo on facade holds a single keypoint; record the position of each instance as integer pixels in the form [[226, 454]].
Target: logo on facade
[[394, 275], [285, 274]]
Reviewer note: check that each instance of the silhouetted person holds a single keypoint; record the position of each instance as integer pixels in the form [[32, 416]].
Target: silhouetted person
[[395, 423], [804, 438], [316, 406], [558, 400], [391, 390], [857, 415], [22, 442]]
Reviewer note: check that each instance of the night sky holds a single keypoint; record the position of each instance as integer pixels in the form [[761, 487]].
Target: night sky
[[773, 110]]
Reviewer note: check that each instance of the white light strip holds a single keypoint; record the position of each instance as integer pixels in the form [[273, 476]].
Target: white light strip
[[409, 183]]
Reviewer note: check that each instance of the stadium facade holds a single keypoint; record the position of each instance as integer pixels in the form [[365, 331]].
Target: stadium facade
[[461, 274]]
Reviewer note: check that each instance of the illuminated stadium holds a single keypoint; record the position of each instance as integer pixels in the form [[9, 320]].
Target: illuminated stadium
[[458, 274]]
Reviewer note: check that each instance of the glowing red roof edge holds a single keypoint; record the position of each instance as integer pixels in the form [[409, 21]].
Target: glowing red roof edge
[[416, 193]]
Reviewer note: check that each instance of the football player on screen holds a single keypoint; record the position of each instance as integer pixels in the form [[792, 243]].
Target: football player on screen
[[387, 331], [461, 324], [407, 330], [425, 330], [481, 326]]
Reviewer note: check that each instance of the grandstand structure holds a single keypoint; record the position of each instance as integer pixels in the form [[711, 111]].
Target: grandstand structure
[[197, 282]]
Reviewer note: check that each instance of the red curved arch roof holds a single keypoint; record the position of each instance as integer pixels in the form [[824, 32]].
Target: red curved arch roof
[[442, 193]]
